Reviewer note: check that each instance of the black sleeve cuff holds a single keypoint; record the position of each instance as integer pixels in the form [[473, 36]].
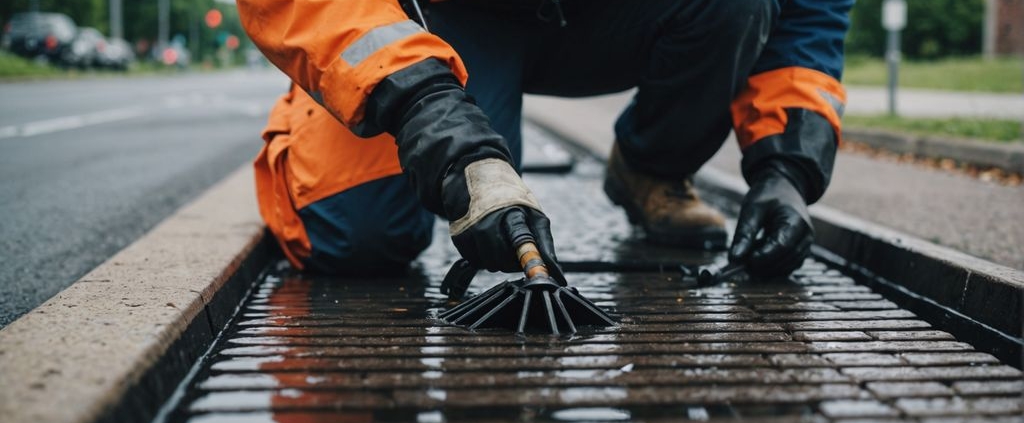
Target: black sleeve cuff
[[393, 95], [437, 126], [805, 154]]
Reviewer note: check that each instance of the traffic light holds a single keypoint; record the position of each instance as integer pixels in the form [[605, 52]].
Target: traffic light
[[214, 18]]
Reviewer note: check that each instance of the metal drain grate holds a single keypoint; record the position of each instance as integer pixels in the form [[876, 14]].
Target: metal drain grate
[[818, 347]]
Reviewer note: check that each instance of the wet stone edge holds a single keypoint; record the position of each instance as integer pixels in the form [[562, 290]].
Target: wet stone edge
[[143, 399]]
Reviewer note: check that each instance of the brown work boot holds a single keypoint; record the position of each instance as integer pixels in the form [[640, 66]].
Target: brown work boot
[[668, 210]]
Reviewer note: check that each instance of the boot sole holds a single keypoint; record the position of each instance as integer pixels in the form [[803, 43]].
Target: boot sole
[[702, 238]]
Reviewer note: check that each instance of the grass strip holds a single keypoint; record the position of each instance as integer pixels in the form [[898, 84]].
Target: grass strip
[[15, 66], [1001, 130], [1005, 75]]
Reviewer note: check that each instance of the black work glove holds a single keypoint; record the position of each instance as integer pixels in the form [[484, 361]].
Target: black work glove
[[774, 232], [458, 165], [487, 202]]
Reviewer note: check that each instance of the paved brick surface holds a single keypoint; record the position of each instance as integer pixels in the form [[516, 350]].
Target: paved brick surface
[[816, 347]]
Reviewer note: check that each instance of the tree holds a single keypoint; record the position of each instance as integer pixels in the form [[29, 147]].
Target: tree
[[84, 12], [935, 28]]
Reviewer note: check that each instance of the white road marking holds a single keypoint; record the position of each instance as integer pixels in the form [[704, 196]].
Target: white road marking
[[70, 122], [219, 101], [191, 100]]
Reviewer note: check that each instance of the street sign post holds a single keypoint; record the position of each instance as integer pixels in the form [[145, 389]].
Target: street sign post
[[894, 19]]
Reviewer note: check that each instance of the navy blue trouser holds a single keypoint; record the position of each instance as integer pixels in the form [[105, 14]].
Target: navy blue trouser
[[687, 58]]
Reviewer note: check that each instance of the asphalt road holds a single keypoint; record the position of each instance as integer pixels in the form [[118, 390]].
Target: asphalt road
[[88, 166]]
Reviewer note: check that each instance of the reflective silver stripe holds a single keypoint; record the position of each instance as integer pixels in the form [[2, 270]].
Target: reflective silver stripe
[[837, 105], [376, 39]]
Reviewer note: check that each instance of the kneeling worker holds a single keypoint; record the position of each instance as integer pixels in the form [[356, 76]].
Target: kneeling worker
[[380, 130]]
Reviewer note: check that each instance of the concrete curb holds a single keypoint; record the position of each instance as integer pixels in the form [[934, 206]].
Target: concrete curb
[[74, 358], [950, 281], [1005, 156]]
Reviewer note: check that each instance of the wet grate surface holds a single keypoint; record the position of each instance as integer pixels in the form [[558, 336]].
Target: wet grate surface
[[816, 347]]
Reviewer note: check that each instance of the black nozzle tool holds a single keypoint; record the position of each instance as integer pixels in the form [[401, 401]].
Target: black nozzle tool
[[456, 281], [536, 303]]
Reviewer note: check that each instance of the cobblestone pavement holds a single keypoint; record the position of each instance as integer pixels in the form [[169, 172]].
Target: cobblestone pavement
[[816, 347]]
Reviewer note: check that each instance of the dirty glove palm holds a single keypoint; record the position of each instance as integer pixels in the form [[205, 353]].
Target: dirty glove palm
[[486, 203], [774, 232]]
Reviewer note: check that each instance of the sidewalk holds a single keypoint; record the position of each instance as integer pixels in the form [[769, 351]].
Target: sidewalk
[[935, 104], [979, 218]]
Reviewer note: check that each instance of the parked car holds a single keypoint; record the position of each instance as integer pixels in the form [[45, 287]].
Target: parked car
[[117, 54], [85, 49], [34, 34]]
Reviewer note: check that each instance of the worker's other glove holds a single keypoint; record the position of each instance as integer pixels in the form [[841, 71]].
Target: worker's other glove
[[774, 232], [486, 202]]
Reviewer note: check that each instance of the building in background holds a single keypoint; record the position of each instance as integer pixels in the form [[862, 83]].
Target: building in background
[[1004, 29]]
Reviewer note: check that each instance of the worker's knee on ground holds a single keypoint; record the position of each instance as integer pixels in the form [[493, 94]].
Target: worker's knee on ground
[[367, 250], [377, 228]]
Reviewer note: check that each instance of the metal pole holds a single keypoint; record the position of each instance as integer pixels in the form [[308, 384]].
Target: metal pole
[[116, 19], [988, 43], [194, 16], [163, 22], [892, 57]]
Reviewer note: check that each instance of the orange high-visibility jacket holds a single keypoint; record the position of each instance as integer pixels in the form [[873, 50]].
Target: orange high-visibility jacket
[[337, 51], [330, 159]]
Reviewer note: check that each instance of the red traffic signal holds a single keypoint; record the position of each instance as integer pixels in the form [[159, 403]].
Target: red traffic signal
[[214, 18]]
